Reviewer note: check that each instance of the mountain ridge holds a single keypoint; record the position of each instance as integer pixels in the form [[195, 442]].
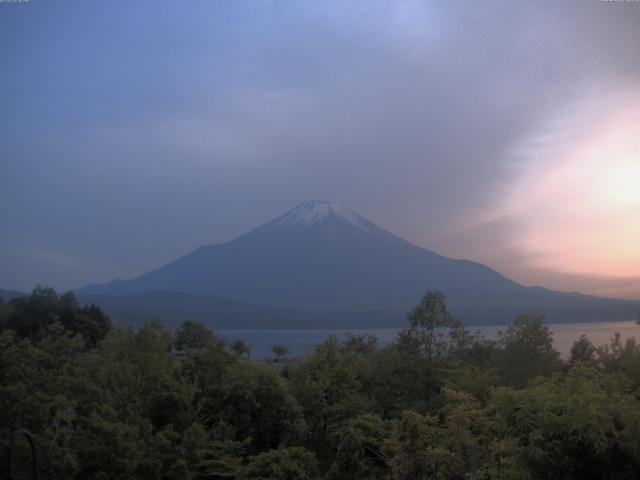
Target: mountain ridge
[[8, 295], [321, 256]]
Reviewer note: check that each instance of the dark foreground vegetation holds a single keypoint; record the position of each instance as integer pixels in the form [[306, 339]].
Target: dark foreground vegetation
[[439, 403]]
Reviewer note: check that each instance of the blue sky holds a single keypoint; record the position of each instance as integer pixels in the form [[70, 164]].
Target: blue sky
[[133, 132]]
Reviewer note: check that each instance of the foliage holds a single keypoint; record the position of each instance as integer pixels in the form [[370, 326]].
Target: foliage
[[328, 388], [527, 350], [192, 335], [293, 463], [583, 351], [31, 316], [240, 348], [359, 449], [621, 357], [280, 351], [439, 403], [582, 424], [426, 321]]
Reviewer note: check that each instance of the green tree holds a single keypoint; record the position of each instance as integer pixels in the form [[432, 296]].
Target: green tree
[[582, 425], [412, 448], [425, 335], [457, 442], [118, 403], [360, 450], [583, 351], [360, 344], [280, 351], [192, 334], [328, 387], [527, 350], [4, 314], [621, 357], [293, 463], [30, 316], [240, 347], [257, 403]]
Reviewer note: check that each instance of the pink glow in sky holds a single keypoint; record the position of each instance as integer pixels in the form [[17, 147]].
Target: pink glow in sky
[[578, 193]]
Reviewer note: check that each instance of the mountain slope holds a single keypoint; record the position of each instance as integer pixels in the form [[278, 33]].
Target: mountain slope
[[322, 256], [174, 307], [8, 295]]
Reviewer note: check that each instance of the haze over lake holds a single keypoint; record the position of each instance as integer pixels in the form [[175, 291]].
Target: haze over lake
[[301, 342]]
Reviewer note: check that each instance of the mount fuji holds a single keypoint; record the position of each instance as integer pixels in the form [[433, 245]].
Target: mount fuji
[[321, 265]]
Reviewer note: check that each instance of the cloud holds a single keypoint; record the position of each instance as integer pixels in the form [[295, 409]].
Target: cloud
[[567, 219], [578, 192], [210, 119]]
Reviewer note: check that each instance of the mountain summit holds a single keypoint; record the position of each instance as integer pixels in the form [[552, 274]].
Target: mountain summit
[[329, 221], [322, 257], [316, 212]]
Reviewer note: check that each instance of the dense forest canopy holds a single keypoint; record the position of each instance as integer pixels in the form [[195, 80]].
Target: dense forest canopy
[[441, 402]]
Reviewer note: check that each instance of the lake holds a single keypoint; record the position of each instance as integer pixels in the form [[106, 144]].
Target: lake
[[300, 342]]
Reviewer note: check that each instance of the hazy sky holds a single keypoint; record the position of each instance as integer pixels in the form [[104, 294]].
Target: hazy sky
[[133, 131]]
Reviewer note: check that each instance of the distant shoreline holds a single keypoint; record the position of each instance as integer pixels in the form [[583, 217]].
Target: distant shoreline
[[299, 341]]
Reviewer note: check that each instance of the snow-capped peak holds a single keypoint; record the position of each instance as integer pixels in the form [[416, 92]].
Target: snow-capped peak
[[314, 212]]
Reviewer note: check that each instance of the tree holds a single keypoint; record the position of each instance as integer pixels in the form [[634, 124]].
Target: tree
[[579, 425], [621, 357], [583, 351], [293, 463], [4, 314], [412, 448], [280, 351], [192, 334], [101, 319], [328, 387], [32, 315], [257, 403], [360, 449], [240, 347], [425, 336], [125, 406], [426, 318], [360, 344], [456, 442], [471, 348], [527, 350]]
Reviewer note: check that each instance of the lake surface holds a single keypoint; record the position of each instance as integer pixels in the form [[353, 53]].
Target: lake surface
[[301, 342]]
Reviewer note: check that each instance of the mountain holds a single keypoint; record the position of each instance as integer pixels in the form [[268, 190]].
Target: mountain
[[323, 259], [8, 295], [174, 307]]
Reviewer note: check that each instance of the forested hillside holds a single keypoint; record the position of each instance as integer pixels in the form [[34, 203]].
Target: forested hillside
[[439, 403]]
